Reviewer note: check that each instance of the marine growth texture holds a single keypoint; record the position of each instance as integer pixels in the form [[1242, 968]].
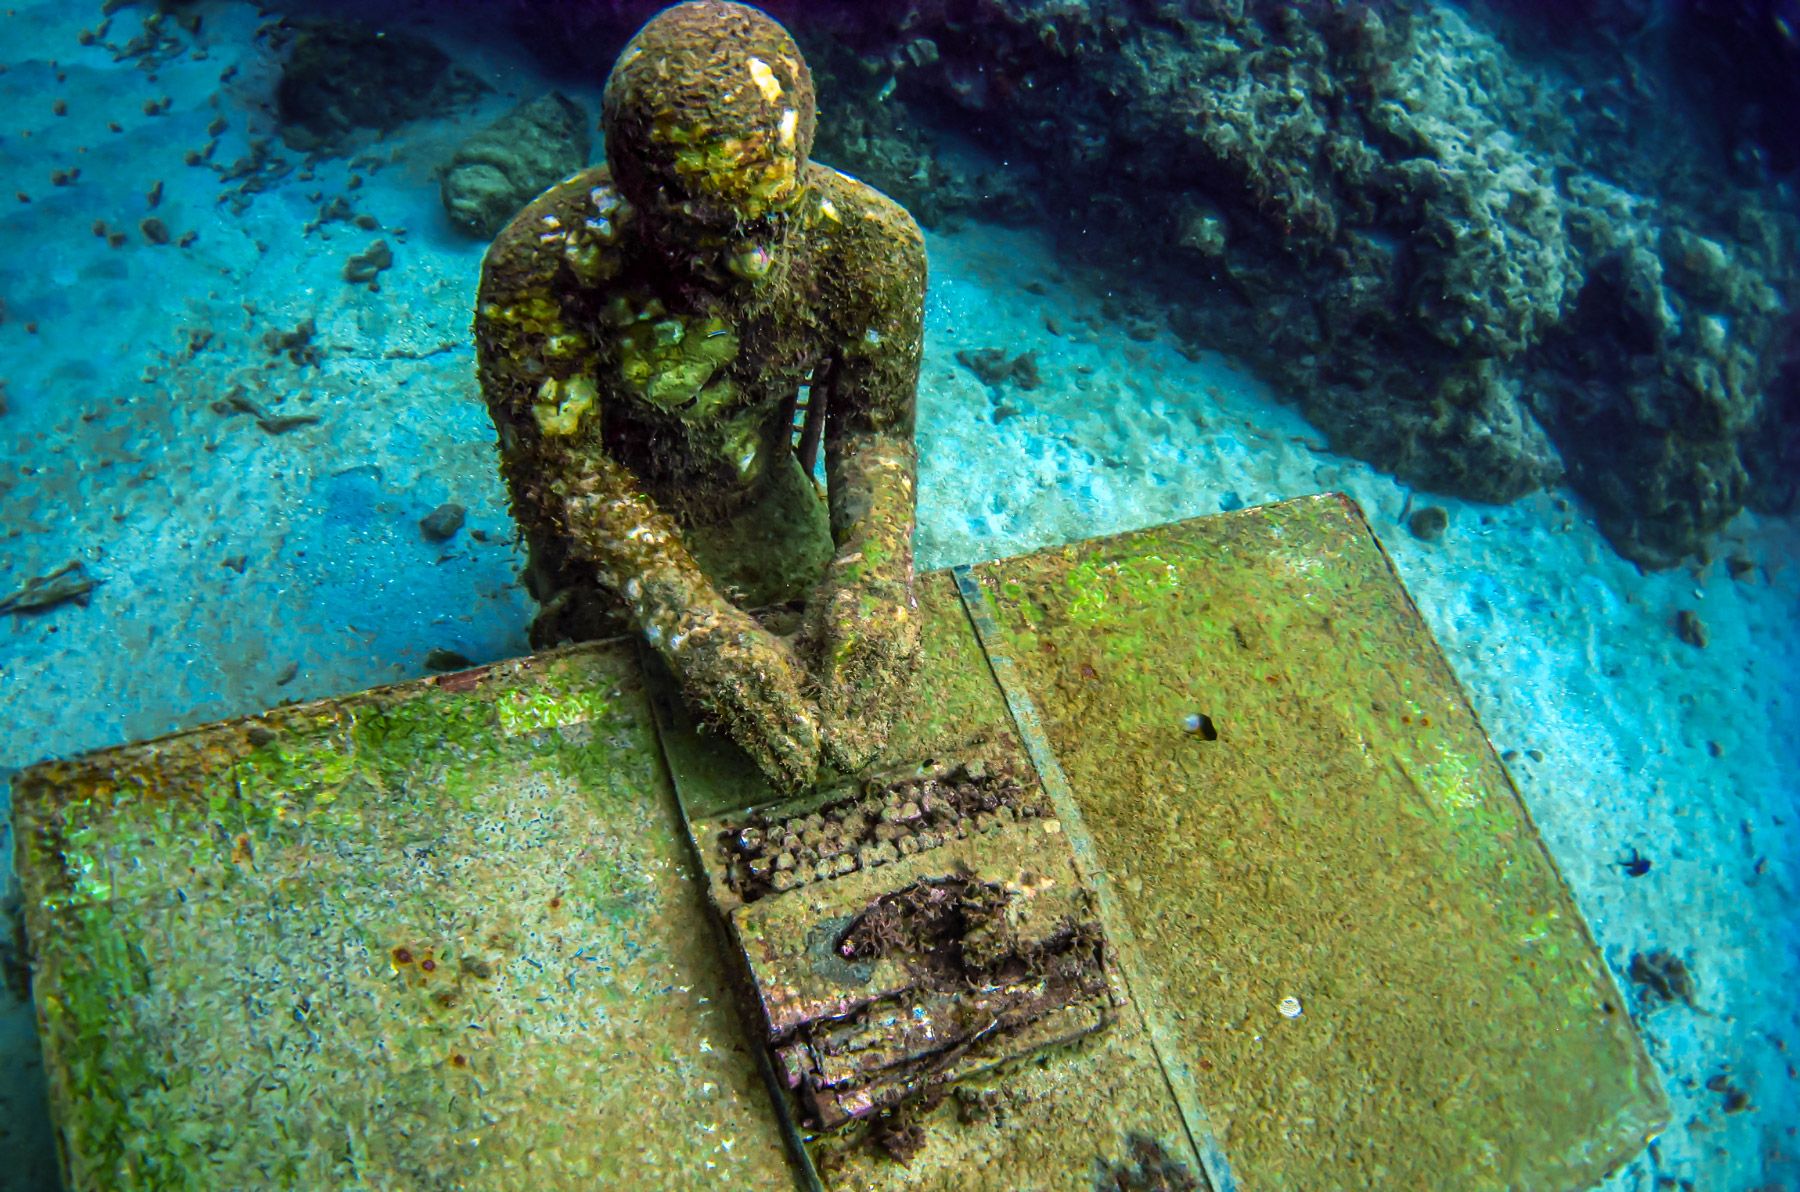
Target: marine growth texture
[[644, 330]]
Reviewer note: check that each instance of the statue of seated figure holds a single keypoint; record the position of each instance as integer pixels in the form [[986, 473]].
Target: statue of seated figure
[[644, 330]]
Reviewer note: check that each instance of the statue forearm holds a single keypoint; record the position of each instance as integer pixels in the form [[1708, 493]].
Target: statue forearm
[[871, 477], [862, 632], [636, 551], [742, 676]]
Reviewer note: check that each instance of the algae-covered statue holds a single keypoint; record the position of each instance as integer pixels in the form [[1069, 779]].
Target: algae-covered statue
[[644, 330]]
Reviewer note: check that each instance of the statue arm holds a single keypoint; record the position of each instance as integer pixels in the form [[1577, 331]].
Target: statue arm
[[863, 633], [741, 677], [538, 378]]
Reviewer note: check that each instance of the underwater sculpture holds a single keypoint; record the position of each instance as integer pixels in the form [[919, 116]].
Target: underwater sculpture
[[644, 330]]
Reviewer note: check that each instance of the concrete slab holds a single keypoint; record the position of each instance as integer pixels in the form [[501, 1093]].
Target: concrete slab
[[456, 932]]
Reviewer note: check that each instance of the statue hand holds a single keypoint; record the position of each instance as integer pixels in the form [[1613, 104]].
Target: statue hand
[[862, 639], [748, 682]]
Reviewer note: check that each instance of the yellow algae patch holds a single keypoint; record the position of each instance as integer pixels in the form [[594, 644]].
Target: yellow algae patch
[[561, 404], [765, 80], [790, 123]]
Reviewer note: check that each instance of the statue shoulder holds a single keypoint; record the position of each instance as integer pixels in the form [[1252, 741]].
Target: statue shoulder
[[579, 223], [863, 210], [876, 235]]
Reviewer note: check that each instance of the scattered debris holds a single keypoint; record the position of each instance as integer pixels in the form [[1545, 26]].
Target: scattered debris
[[1199, 724], [420, 353], [1150, 1167], [442, 523], [154, 230], [995, 369], [897, 1136], [274, 424], [978, 1107], [367, 265], [1664, 978], [1428, 524], [1691, 629], [236, 562], [156, 43], [68, 582], [1141, 330], [287, 674], [440, 659], [1740, 566], [1634, 863], [255, 172], [339, 209], [1733, 1099], [297, 344]]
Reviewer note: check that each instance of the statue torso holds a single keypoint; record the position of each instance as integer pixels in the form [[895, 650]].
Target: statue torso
[[690, 380]]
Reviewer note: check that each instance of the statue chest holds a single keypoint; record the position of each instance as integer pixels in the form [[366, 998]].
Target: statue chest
[[724, 384]]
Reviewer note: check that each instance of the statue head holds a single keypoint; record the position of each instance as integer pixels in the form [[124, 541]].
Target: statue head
[[708, 120]]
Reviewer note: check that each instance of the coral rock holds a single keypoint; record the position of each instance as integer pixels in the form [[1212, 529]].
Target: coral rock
[[342, 76], [508, 163]]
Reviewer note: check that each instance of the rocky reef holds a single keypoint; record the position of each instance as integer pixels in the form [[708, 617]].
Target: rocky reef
[[510, 162], [1480, 258], [1476, 269], [340, 77]]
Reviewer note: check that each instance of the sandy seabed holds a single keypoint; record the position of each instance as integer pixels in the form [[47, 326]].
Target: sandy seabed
[[238, 567]]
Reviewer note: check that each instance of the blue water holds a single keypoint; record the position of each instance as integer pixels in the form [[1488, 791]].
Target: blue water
[[238, 568]]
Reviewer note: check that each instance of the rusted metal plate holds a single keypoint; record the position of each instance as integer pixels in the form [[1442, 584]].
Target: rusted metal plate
[[438, 935], [1292, 799]]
